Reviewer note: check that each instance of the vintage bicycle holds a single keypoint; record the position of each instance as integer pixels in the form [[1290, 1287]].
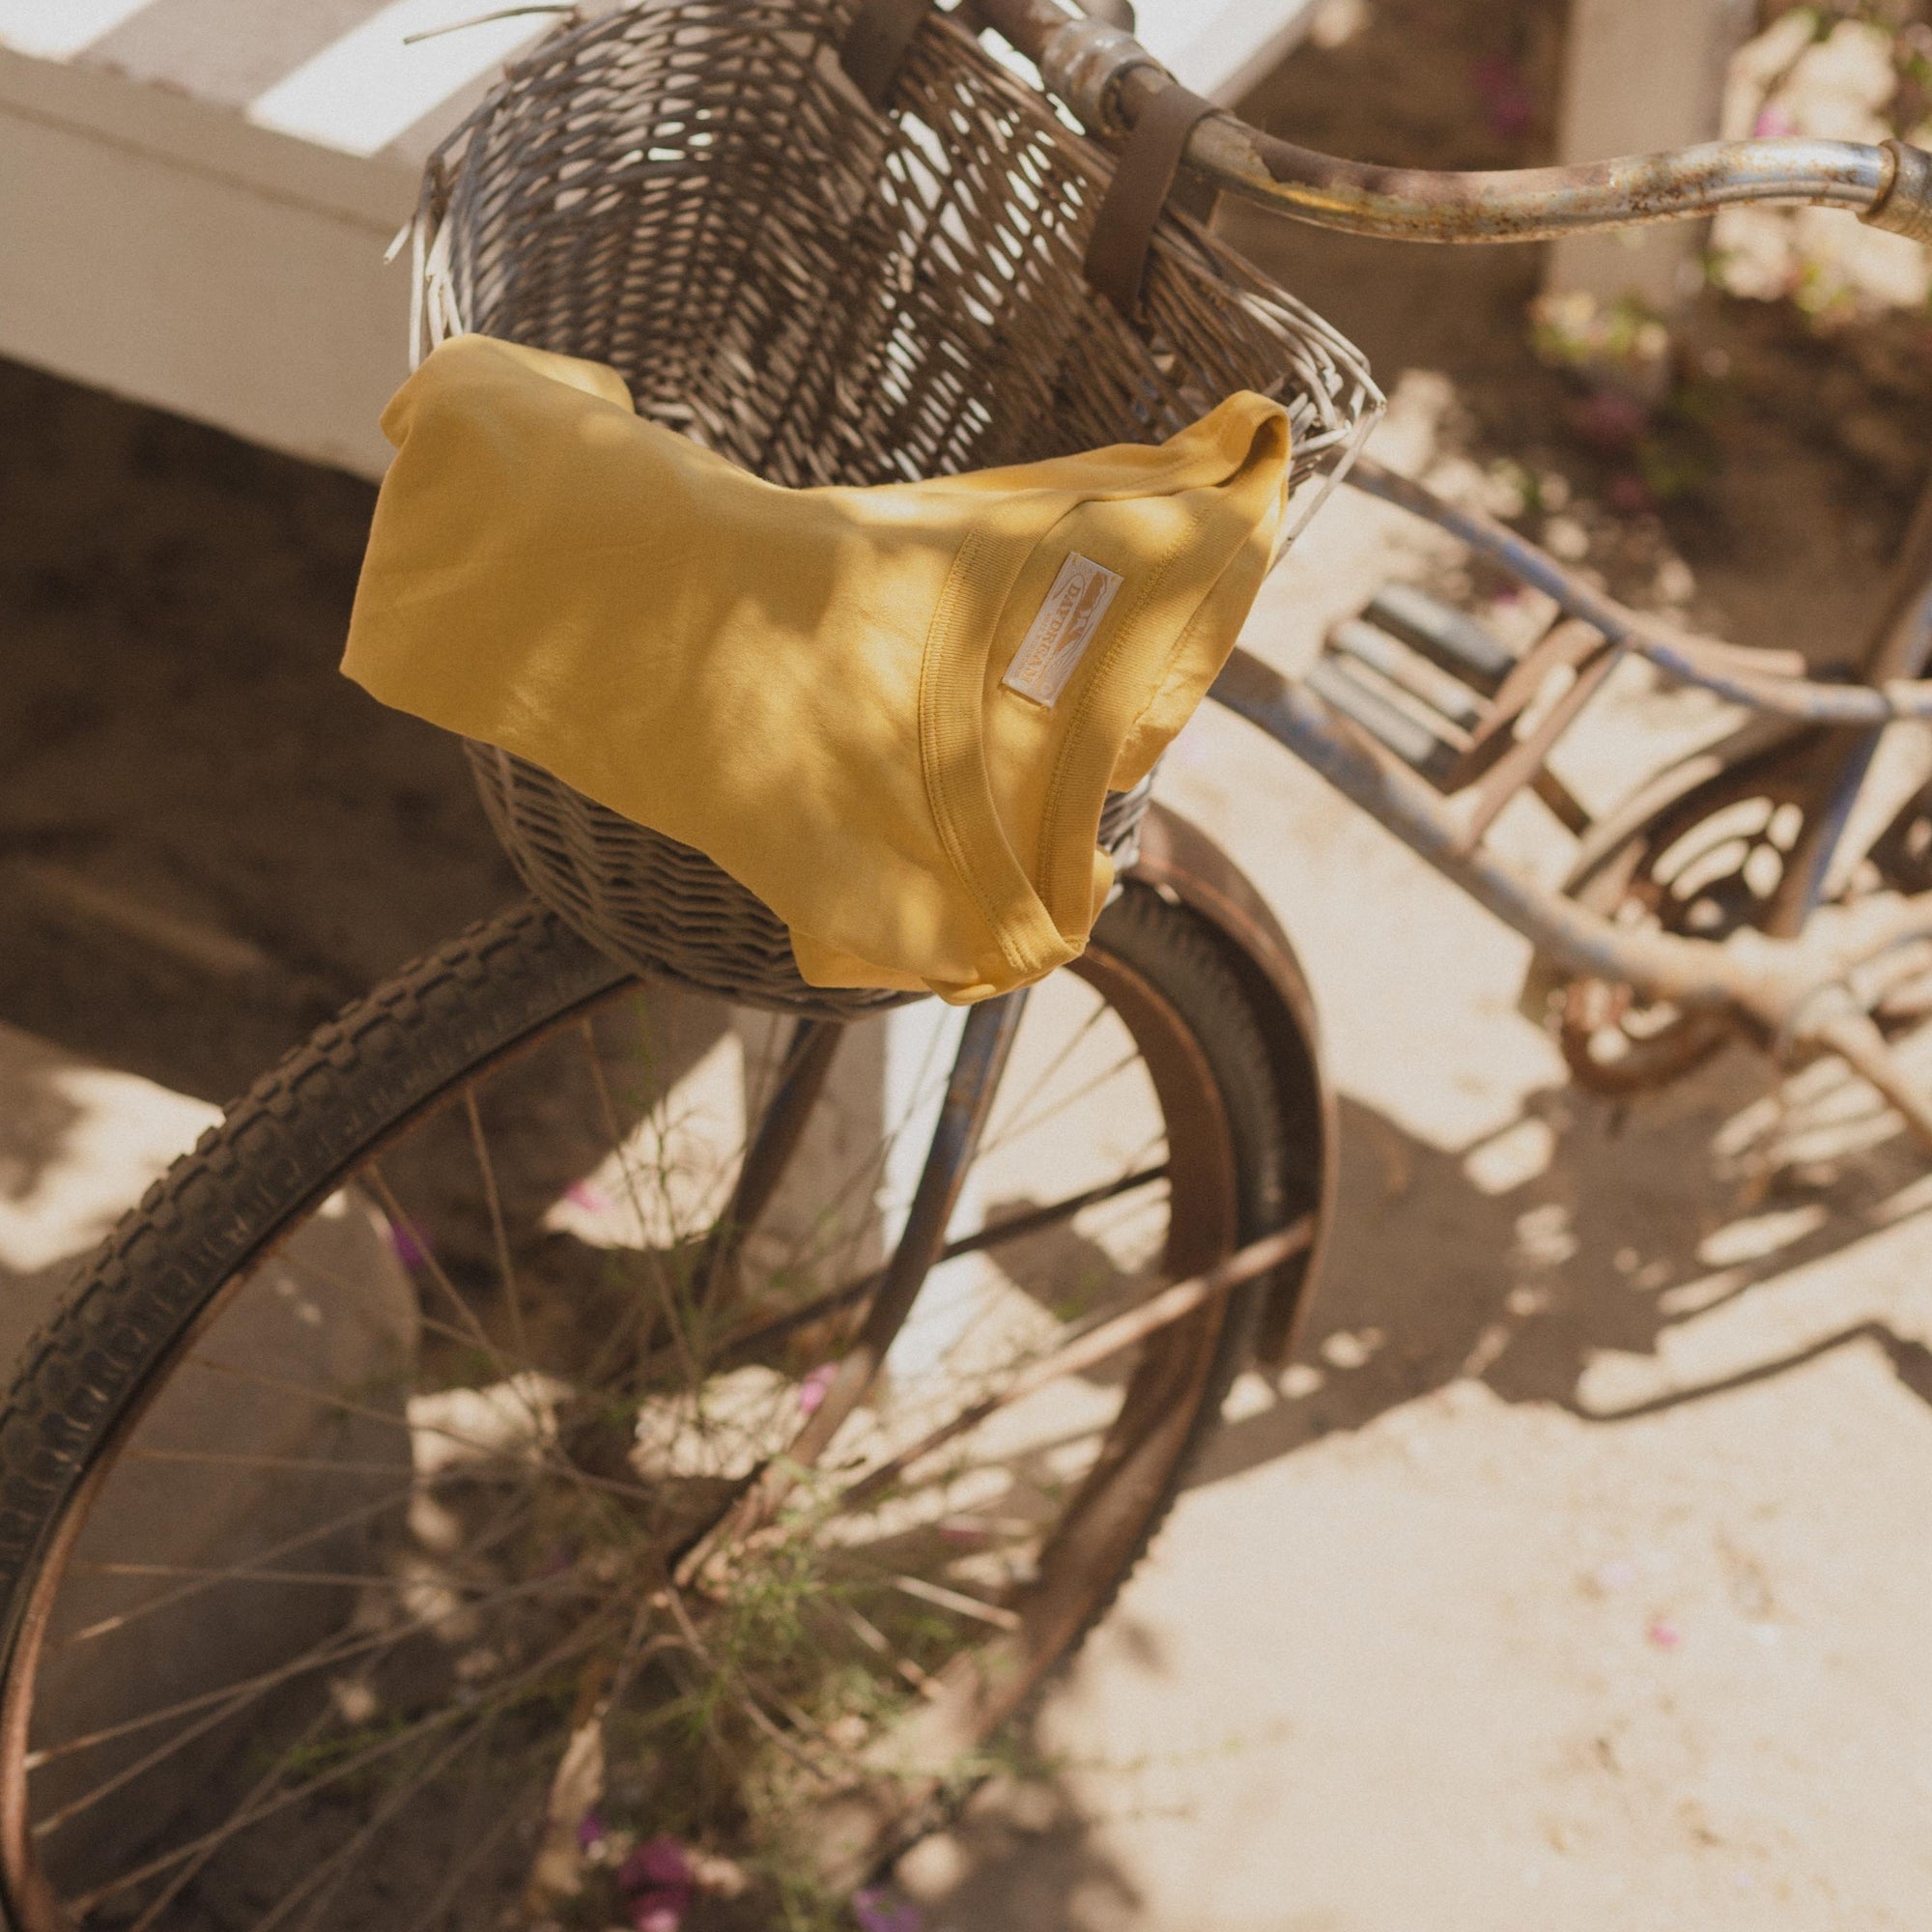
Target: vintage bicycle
[[608, 1433]]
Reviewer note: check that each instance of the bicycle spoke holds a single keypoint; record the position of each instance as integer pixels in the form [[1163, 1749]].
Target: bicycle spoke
[[498, 1232], [1106, 1335], [875, 1640], [294, 1465], [322, 1578], [1031, 1222], [466, 1335], [348, 1520], [956, 1600], [1020, 1130], [511, 1818], [121, 1619], [330, 1652], [1001, 1132], [337, 1862], [235, 1699], [45, 1827], [312, 1392], [583, 1478], [507, 1375], [581, 1640], [197, 1863], [421, 1244]]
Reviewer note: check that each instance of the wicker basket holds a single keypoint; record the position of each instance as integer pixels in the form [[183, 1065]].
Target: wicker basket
[[694, 192]]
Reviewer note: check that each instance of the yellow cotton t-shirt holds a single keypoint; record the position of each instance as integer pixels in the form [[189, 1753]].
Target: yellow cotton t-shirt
[[892, 713]]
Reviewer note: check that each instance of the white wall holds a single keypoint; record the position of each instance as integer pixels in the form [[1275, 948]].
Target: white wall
[[1640, 76]]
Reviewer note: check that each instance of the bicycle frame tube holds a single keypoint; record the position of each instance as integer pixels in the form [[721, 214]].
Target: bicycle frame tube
[[1297, 720], [1727, 670], [1782, 989]]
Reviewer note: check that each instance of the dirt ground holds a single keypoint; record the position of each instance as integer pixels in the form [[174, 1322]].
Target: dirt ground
[[1577, 1572]]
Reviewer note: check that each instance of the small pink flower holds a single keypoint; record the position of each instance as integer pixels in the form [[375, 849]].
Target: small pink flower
[[1609, 420], [589, 1830], [1664, 1634], [656, 1880], [875, 1912], [811, 1390], [657, 1863], [1773, 122], [1508, 105], [403, 1244], [1629, 495], [662, 1910], [581, 1194]]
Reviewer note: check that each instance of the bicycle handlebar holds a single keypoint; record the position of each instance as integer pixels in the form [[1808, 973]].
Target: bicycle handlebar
[[1107, 78]]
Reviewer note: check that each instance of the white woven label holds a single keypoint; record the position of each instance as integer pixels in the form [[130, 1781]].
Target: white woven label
[[1058, 638]]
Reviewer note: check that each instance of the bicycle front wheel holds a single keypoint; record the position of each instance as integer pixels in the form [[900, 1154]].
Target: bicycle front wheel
[[346, 1509]]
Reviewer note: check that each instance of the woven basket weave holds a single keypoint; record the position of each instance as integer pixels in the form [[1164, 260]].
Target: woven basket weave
[[694, 192]]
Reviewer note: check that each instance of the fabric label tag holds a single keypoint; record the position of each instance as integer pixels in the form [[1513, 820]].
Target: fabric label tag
[[1058, 638]]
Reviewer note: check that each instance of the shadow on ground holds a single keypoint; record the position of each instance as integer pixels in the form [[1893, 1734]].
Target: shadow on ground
[[209, 840], [1636, 1222]]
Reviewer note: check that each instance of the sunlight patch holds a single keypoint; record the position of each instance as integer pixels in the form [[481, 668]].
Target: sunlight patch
[[673, 1177]]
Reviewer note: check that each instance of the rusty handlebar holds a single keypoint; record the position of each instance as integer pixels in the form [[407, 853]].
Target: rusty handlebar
[[1106, 77]]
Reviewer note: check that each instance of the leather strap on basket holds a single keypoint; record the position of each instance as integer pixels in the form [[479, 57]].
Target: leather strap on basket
[[1117, 253], [875, 44]]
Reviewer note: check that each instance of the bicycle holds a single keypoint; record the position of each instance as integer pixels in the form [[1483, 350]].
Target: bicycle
[[647, 1524]]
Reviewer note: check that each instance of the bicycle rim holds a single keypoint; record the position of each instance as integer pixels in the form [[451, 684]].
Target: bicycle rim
[[482, 1408]]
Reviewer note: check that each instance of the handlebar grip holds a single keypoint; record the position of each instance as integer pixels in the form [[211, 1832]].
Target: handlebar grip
[[1905, 205]]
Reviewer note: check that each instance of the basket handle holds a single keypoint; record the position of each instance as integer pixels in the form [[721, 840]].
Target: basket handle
[[1117, 251], [875, 48], [875, 44]]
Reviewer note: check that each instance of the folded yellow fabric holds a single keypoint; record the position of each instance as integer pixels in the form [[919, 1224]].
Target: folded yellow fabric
[[892, 713]]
